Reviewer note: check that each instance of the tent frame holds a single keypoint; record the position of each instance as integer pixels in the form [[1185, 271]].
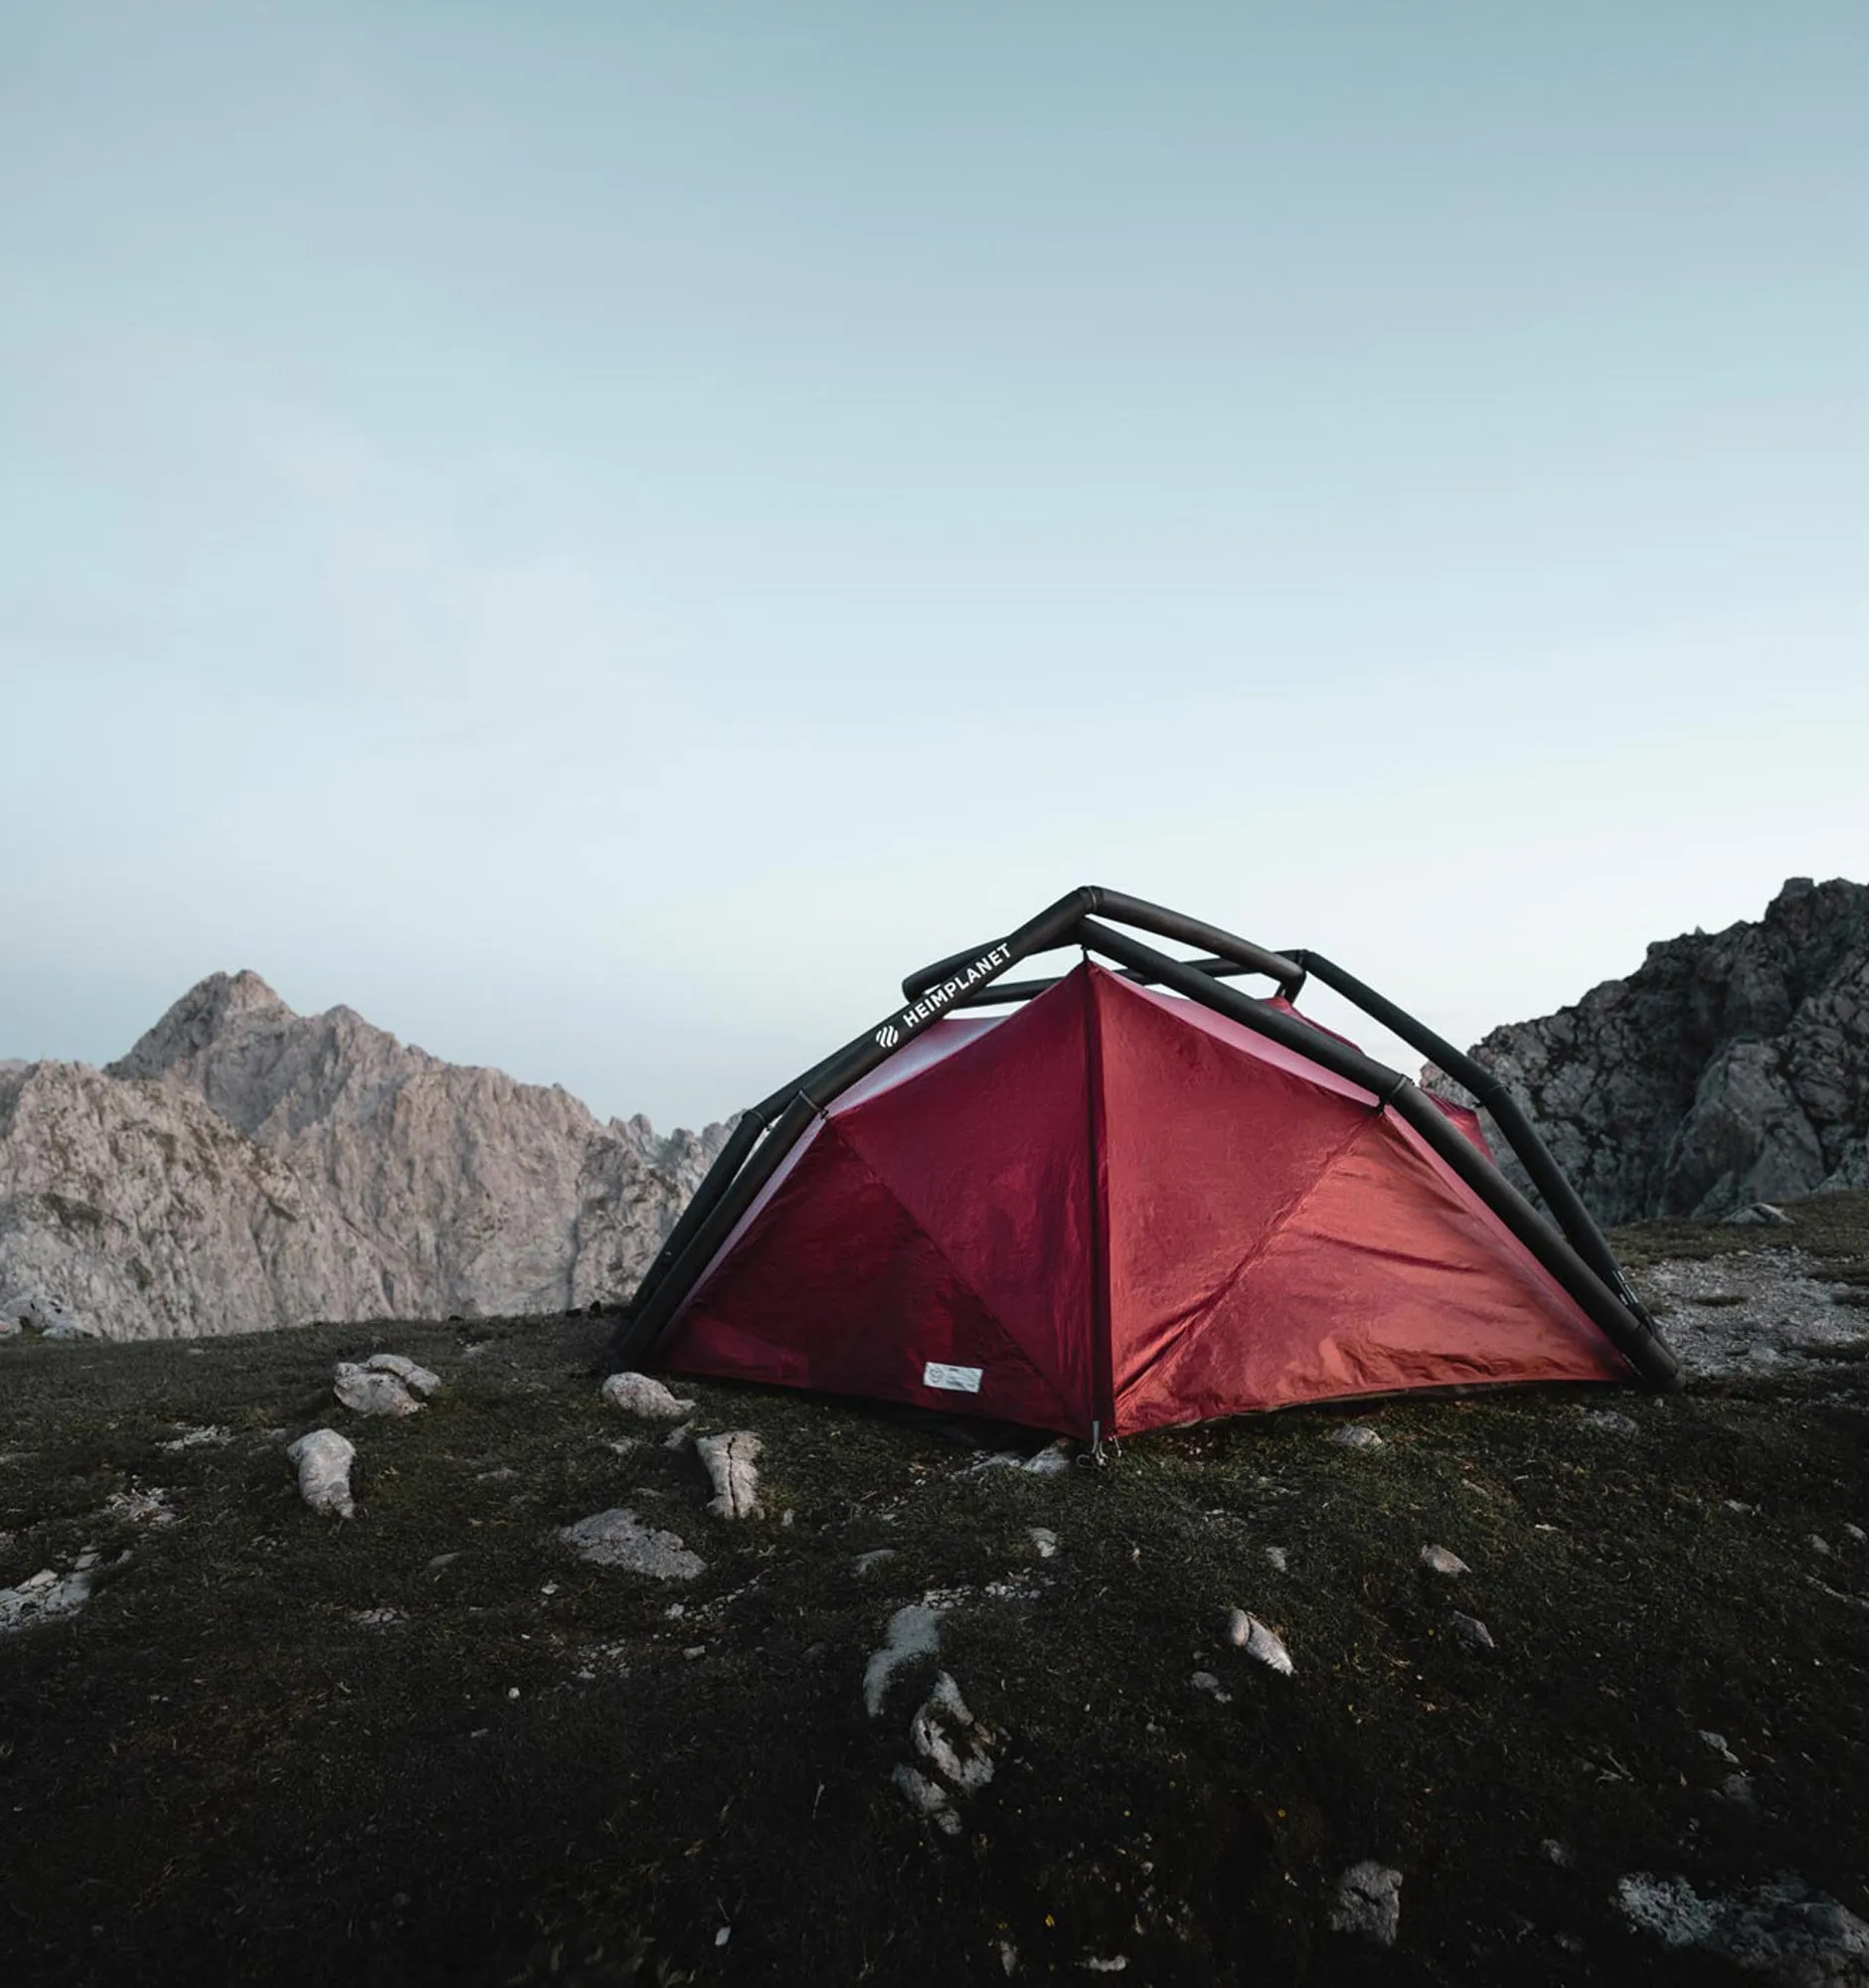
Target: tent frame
[[1567, 1241]]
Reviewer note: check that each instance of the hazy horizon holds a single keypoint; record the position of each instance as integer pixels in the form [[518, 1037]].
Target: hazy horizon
[[601, 540]]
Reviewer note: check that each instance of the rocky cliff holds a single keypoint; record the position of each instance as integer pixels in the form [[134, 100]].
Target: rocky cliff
[[1728, 1067], [244, 1165]]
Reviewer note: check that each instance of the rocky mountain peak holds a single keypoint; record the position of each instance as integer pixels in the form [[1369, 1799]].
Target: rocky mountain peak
[[247, 1166], [199, 1018], [1728, 1067]]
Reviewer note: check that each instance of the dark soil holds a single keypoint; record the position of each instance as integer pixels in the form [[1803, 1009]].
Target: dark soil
[[217, 1772]]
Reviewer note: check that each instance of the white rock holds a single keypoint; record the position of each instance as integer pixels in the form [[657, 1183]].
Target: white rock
[[732, 1463], [1355, 1435], [417, 1380], [1043, 1541], [1437, 1559], [1276, 1556], [1368, 1903], [1785, 1930], [643, 1395], [1247, 1632], [874, 1558], [45, 1597], [324, 1461], [368, 1394], [1715, 1743], [200, 1438], [617, 1538], [913, 1631], [1207, 1682], [140, 1505], [928, 1798], [953, 1742]]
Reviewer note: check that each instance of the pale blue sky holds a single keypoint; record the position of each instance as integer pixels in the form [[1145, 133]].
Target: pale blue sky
[[600, 534]]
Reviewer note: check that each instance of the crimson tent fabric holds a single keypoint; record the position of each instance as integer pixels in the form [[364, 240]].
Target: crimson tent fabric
[[1115, 1208]]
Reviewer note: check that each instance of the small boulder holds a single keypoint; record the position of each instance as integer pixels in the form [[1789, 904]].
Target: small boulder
[[417, 1380], [641, 1395], [732, 1463], [1470, 1629], [1355, 1435], [617, 1538], [1247, 1632], [368, 1394], [324, 1459], [1368, 1903], [1437, 1559]]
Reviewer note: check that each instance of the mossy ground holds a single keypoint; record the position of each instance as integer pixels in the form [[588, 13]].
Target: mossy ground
[[217, 1772]]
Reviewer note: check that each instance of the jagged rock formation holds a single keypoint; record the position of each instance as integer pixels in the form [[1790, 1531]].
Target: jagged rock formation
[[245, 1167], [1730, 1067]]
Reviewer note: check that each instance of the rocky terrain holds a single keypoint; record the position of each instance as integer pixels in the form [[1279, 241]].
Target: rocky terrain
[[245, 1167], [1730, 1067], [573, 1681]]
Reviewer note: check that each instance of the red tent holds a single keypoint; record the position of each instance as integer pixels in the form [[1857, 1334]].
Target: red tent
[[1118, 1208]]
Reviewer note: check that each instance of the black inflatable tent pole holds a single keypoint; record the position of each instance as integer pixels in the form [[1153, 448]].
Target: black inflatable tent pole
[[731, 1190], [756, 1119], [1156, 919], [1003, 991], [1629, 1332], [1561, 1198]]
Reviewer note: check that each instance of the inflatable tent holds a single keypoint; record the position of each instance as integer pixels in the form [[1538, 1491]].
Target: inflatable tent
[[1135, 1197]]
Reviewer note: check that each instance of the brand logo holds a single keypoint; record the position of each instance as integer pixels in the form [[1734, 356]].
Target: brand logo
[[936, 998]]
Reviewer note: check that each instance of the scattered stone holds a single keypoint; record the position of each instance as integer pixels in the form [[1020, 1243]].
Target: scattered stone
[[368, 1394], [1470, 1629], [1819, 1545], [874, 1558], [1785, 1930], [1763, 1212], [928, 1798], [1043, 1541], [1276, 1556], [913, 1631], [377, 1619], [417, 1380], [1738, 1789], [1715, 1743], [1857, 1534], [1368, 1903], [1559, 1852], [135, 1507], [1355, 1435], [198, 1438], [1115, 1964], [1437, 1559], [1047, 1463], [1247, 1632], [440, 1562], [503, 1475], [617, 1538], [324, 1462], [643, 1395], [1744, 1510], [1610, 1422], [678, 1440], [953, 1742], [1207, 1682], [732, 1463], [45, 1597]]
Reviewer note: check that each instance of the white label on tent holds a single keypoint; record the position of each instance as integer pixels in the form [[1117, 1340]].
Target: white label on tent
[[962, 1379]]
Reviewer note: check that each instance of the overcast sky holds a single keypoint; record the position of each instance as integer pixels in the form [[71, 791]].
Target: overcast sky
[[601, 535]]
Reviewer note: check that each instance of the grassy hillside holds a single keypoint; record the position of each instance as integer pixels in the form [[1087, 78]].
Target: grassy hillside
[[432, 1744]]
